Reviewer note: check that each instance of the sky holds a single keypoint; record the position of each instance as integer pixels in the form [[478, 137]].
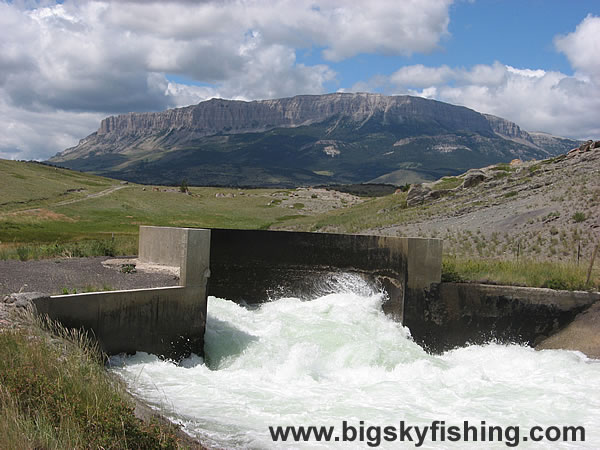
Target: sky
[[66, 65]]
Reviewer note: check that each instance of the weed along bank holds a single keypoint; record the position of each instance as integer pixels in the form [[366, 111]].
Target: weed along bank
[[254, 266]]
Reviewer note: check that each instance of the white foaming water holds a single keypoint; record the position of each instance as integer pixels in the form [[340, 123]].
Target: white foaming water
[[338, 357]]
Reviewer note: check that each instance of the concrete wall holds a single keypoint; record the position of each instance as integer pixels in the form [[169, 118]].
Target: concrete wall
[[255, 265], [166, 321], [240, 265], [186, 248], [452, 314]]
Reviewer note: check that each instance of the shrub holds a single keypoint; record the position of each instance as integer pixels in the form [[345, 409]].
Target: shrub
[[184, 186], [556, 283], [450, 273], [579, 217]]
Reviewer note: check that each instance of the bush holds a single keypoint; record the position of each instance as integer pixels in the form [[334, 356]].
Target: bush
[[449, 272], [184, 186], [579, 217], [556, 283]]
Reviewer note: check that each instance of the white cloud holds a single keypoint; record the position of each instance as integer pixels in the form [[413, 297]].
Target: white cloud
[[386, 26], [421, 76], [83, 59], [582, 47], [537, 100], [28, 134]]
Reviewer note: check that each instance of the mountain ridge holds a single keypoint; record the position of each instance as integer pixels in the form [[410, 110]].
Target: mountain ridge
[[306, 139]]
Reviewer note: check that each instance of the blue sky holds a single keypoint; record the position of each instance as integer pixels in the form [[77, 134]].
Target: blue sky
[[517, 33], [66, 65]]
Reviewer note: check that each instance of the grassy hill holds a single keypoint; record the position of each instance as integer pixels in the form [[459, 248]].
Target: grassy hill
[[33, 185], [540, 209], [47, 208], [47, 211]]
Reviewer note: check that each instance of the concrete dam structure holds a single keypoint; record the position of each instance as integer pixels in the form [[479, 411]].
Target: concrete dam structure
[[254, 266]]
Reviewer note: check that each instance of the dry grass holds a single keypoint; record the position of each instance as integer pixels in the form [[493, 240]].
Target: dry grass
[[56, 394]]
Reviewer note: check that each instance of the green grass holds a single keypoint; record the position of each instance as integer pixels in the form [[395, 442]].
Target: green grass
[[56, 394], [122, 245], [32, 185], [33, 225], [503, 167], [447, 183], [548, 274]]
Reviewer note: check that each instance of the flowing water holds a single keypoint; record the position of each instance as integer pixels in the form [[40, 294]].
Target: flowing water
[[339, 358]]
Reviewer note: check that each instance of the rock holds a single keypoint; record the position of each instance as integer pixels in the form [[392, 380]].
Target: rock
[[439, 193], [417, 194], [583, 334], [583, 148], [473, 177], [507, 128], [23, 299], [234, 116], [586, 146]]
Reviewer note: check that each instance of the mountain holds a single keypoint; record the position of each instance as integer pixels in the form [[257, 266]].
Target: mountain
[[304, 140]]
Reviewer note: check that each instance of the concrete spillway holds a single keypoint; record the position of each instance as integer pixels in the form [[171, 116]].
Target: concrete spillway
[[254, 266], [338, 357]]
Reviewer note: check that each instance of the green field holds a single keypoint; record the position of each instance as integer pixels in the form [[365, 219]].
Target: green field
[[44, 210]]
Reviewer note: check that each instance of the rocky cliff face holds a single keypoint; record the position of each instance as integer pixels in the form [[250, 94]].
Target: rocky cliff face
[[307, 139], [230, 116], [507, 128]]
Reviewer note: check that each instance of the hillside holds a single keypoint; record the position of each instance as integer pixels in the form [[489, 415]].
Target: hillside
[[546, 210], [44, 208], [304, 140], [31, 185]]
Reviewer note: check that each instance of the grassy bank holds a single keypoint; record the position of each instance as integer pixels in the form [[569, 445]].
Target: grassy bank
[[533, 273], [56, 394]]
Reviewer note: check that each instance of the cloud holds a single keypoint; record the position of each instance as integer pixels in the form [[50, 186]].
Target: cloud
[[537, 100], [81, 59], [421, 76], [582, 47], [28, 134]]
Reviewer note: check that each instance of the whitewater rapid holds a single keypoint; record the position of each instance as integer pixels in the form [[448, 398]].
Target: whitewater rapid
[[339, 358]]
